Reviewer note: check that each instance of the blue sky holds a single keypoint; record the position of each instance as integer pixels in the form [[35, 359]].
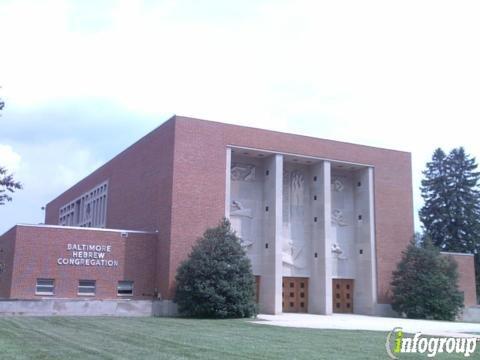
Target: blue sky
[[84, 79]]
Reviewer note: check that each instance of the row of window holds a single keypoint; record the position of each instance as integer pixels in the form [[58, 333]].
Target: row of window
[[89, 210], [85, 287]]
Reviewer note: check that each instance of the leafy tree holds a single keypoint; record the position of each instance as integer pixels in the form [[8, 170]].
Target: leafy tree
[[6, 181], [7, 185], [216, 280], [424, 286], [2, 103]]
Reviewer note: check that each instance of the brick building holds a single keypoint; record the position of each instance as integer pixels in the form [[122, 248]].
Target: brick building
[[323, 222]]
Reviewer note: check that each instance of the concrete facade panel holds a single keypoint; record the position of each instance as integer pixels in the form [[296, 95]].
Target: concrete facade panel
[[199, 180]]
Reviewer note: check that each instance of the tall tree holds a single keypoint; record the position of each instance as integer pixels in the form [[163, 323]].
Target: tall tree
[[435, 213], [451, 214], [464, 203], [7, 185]]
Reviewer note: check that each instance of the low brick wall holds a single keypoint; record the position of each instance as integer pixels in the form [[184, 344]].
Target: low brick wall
[[60, 307], [471, 314], [73, 307], [466, 278]]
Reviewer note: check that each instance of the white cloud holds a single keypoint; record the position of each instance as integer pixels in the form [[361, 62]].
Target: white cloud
[[47, 169], [403, 75], [9, 158]]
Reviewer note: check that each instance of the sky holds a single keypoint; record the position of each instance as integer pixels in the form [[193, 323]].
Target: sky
[[84, 79]]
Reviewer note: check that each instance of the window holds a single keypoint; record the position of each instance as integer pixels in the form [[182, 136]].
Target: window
[[89, 210], [45, 287], [125, 288], [86, 287]]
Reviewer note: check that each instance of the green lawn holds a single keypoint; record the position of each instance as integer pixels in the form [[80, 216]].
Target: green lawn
[[169, 338]]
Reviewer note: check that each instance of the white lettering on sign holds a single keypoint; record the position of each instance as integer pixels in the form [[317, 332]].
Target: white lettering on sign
[[88, 255]]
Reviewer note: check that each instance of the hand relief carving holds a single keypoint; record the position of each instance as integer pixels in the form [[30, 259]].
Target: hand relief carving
[[290, 254], [337, 250], [237, 209]]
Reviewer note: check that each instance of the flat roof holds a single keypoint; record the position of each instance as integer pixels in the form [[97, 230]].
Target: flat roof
[[86, 228]]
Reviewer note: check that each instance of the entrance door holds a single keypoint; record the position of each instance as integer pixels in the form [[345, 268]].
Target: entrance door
[[295, 294], [342, 295]]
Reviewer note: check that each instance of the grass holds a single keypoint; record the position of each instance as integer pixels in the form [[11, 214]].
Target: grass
[[174, 338]]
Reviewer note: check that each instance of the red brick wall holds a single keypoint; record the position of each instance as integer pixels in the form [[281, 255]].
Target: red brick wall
[[173, 180], [7, 245], [140, 181], [38, 248], [199, 185], [139, 193], [466, 279]]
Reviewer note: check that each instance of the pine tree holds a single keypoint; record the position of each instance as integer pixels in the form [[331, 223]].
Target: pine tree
[[451, 213], [463, 202], [216, 280], [435, 214], [424, 286]]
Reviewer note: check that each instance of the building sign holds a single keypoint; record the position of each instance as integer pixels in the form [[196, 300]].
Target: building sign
[[88, 255]]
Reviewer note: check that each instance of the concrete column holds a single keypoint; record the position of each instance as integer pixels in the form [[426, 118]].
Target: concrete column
[[365, 288], [271, 278], [371, 211], [228, 182], [320, 282]]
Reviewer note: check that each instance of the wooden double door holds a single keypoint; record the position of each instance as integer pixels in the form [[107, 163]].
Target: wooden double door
[[295, 294], [342, 295]]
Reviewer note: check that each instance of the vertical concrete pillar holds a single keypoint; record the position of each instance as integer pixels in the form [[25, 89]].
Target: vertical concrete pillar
[[320, 283], [371, 237], [228, 182], [271, 278], [365, 288]]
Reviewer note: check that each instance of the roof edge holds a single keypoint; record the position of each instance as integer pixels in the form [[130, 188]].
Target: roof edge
[[188, 118], [85, 228]]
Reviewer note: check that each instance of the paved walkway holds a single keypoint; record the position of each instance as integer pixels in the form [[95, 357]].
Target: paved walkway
[[362, 322]]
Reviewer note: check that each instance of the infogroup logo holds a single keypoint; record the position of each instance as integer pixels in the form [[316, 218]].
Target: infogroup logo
[[398, 343]]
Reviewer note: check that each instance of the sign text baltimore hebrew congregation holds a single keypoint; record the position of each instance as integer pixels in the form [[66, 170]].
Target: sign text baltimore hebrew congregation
[[88, 255]]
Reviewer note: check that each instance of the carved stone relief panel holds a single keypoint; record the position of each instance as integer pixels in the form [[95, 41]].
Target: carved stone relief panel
[[293, 241], [337, 218], [338, 252], [297, 184], [292, 254], [241, 221], [337, 184], [242, 172]]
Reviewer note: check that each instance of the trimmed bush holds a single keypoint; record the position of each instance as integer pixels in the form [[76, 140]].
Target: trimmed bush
[[425, 286], [216, 281]]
